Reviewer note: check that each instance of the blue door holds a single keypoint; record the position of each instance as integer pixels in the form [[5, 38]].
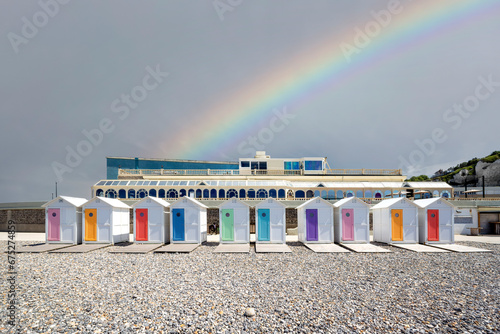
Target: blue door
[[178, 225], [264, 232]]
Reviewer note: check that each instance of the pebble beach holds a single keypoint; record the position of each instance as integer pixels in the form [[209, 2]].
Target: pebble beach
[[298, 292]]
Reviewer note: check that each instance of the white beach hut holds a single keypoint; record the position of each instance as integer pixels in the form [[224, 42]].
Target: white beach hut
[[106, 220], [395, 220], [435, 221], [315, 221], [63, 220], [151, 220], [234, 221], [270, 222], [188, 221], [352, 221]]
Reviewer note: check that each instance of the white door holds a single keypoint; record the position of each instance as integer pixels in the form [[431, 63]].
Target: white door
[[241, 218], [361, 227], [410, 225], [155, 225], [277, 232], [325, 225], [104, 225], [192, 224]]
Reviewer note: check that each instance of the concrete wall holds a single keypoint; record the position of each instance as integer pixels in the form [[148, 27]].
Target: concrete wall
[[27, 220]]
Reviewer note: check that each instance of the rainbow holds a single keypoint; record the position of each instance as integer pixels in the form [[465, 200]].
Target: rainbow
[[298, 80]]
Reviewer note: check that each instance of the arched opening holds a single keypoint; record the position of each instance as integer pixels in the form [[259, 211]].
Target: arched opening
[[191, 193], [445, 194], [251, 193], [387, 193], [222, 193], [261, 193], [378, 194], [340, 194], [281, 193], [300, 194], [122, 193], [99, 192], [111, 193], [213, 193], [141, 193], [349, 193], [317, 193], [172, 193], [161, 193], [198, 193], [182, 192], [272, 193], [324, 194], [206, 193], [152, 192], [131, 193], [232, 193], [359, 194], [243, 193], [309, 194], [368, 194]]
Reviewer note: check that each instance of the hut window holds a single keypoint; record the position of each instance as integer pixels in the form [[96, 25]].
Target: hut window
[[396, 215], [142, 214], [91, 214], [54, 214], [60, 200], [263, 214], [227, 214], [178, 214], [433, 215], [348, 214]]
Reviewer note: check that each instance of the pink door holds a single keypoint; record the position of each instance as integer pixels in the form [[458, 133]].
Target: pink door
[[348, 224], [54, 224]]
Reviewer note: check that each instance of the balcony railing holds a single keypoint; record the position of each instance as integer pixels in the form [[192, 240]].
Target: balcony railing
[[222, 172]]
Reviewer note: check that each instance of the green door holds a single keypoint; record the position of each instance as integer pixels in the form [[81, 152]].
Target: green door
[[227, 227]]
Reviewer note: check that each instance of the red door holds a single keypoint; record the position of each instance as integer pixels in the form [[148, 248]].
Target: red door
[[141, 224], [54, 225], [433, 225]]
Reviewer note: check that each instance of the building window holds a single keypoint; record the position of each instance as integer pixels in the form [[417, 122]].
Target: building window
[[152, 192], [245, 164], [222, 193], [161, 193], [198, 193], [131, 193], [340, 194], [251, 193], [309, 194], [368, 194], [261, 193], [122, 193], [300, 194], [331, 194], [313, 165], [182, 192], [111, 193], [206, 193], [272, 193], [445, 194], [359, 193], [242, 193], [99, 192], [172, 193], [316, 193], [378, 194], [213, 193], [259, 165], [142, 193], [281, 193], [232, 193], [291, 165], [349, 193]]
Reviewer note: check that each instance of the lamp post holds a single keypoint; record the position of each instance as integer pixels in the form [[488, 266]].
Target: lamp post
[[464, 172]]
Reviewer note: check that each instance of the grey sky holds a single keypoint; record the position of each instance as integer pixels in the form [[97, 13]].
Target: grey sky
[[63, 78]]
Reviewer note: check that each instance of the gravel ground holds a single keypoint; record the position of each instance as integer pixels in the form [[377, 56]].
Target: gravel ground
[[299, 292]]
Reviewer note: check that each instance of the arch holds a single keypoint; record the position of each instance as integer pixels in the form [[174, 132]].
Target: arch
[[243, 193], [272, 193], [251, 193], [359, 194], [427, 195], [152, 192], [445, 194], [340, 194], [232, 193], [387, 193], [198, 193], [131, 193], [261, 193], [110, 193], [349, 193], [161, 193], [122, 193], [317, 193], [206, 193], [331, 194], [300, 194], [182, 192], [191, 193], [378, 194], [99, 192], [141, 193], [281, 193], [435, 193], [368, 194], [213, 193], [324, 194], [172, 193], [290, 194], [309, 194], [222, 193]]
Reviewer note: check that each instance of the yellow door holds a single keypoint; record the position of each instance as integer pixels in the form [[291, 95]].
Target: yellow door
[[397, 225], [91, 225]]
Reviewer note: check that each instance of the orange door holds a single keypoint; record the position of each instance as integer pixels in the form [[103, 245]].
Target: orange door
[[141, 224], [91, 225], [433, 225], [397, 224]]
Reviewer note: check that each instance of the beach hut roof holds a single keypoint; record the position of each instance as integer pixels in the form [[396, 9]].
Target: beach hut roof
[[154, 199], [390, 202], [111, 201], [232, 198], [75, 201], [423, 203], [312, 200], [272, 201], [192, 200], [347, 200]]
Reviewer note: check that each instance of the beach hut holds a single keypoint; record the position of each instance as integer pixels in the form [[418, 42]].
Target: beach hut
[[315, 221], [352, 221], [435, 221], [151, 218], [234, 221], [188, 219], [106, 220], [63, 220], [270, 222], [395, 220]]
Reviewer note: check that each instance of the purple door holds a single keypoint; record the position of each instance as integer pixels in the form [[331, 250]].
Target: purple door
[[348, 224], [54, 224], [312, 224]]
